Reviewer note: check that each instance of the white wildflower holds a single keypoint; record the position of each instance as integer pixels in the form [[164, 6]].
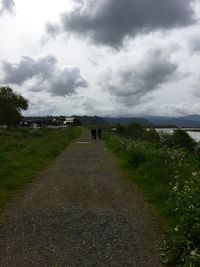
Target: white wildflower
[[194, 174], [176, 229]]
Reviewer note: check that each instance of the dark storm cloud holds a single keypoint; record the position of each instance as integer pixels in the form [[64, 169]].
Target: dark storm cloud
[[110, 22], [133, 85], [44, 75], [7, 6]]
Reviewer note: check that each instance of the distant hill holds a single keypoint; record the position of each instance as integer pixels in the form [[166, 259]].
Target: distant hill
[[95, 120], [125, 121], [185, 121], [91, 120], [192, 117]]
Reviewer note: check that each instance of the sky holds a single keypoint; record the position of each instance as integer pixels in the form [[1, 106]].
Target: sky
[[115, 58]]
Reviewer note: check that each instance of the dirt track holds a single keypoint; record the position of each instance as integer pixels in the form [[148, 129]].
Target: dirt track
[[80, 212]]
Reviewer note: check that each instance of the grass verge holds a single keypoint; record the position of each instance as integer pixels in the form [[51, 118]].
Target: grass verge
[[170, 179], [24, 152]]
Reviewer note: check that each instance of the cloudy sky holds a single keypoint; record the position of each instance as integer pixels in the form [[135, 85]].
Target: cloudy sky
[[102, 57]]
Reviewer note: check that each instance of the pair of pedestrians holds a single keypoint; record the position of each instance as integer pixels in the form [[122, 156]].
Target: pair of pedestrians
[[94, 133]]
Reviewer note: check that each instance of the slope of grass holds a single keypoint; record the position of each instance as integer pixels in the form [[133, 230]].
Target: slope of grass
[[24, 152], [170, 179]]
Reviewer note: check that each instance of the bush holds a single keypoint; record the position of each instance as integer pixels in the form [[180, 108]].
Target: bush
[[120, 129], [181, 139], [135, 130], [165, 139], [152, 136]]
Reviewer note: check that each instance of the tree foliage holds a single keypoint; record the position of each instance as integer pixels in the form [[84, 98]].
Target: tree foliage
[[11, 105]]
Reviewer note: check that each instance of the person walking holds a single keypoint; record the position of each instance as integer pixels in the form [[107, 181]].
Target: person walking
[[94, 133], [100, 133]]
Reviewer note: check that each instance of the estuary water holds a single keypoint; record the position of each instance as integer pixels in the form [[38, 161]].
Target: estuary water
[[193, 132]]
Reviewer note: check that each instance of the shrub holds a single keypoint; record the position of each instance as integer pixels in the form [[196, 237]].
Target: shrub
[[152, 136], [135, 130], [181, 139], [119, 129], [165, 139]]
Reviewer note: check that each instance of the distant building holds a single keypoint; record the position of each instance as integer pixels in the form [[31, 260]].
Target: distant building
[[48, 121], [69, 120]]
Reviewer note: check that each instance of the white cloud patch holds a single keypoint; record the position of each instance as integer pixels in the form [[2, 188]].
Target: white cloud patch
[[43, 75]]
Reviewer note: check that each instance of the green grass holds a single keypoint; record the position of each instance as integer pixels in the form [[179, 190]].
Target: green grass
[[24, 152], [147, 168], [170, 179]]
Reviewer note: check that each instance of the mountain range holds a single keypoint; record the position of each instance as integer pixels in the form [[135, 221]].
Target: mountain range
[[188, 121], [183, 121]]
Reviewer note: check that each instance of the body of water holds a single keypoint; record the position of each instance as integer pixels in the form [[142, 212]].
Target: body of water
[[194, 133]]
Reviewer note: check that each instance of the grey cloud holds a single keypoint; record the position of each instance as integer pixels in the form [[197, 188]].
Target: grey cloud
[[178, 109], [28, 68], [194, 44], [111, 22], [66, 82], [196, 88], [89, 105], [7, 6], [43, 75], [52, 29], [133, 85]]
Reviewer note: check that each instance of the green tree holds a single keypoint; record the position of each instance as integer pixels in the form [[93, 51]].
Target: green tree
[[11, 105]]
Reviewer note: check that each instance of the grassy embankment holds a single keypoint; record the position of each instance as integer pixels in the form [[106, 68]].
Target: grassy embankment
[[170, 179], [24, 152]]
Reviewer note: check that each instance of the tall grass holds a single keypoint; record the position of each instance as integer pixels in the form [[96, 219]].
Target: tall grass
[[170, 178], [24, 152]]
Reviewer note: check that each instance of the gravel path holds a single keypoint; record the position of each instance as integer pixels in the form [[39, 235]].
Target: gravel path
[[80, 212]]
